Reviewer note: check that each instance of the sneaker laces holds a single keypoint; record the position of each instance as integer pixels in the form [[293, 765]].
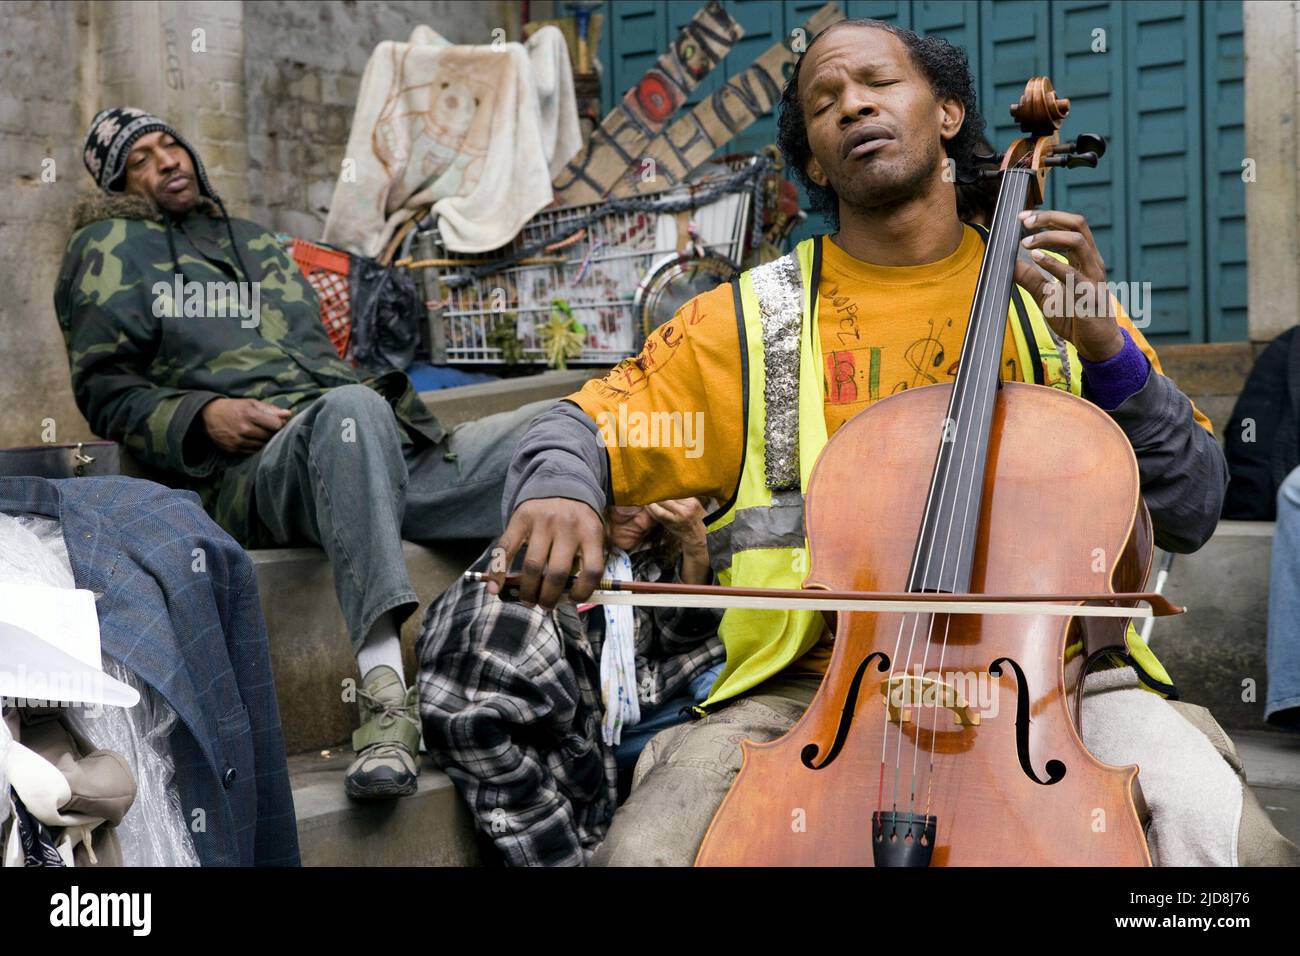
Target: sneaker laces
[[386, 712]]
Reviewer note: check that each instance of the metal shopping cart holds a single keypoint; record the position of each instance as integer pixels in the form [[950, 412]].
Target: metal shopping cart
[[487, 309]]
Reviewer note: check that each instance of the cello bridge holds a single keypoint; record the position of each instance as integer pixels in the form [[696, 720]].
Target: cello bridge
[[905, 691]]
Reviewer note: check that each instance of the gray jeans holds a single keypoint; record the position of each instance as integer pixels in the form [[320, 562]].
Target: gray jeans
[[338, 476], [1202, 812]]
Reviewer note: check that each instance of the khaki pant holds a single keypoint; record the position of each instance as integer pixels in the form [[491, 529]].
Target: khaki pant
[[685, 772]]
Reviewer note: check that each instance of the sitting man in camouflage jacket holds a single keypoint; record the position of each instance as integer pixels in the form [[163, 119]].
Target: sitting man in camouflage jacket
[[194, 340]]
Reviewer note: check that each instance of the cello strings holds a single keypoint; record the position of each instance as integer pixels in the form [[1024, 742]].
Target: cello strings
[[943, 467], [916, 616], [995, 336], [972, 345], [988, 337], [980, 342]]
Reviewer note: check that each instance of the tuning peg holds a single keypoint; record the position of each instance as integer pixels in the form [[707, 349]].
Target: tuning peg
[[1072, 162], [985, 159], [1091, 143], [1086, 143]]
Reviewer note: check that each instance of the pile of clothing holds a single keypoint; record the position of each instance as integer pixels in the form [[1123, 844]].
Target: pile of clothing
[[171, 753]]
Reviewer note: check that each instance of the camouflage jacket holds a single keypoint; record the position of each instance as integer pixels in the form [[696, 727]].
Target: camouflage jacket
[[143, 363]]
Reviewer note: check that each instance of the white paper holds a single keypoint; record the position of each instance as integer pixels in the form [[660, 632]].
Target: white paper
[[64, 617], [49, 647]]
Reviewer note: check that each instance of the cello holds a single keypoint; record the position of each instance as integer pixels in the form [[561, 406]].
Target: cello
[[941, 736]]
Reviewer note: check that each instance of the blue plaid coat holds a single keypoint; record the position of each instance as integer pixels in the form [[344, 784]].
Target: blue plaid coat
[[190, 625]]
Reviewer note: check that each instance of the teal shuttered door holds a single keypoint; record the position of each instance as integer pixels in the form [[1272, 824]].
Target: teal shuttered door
[[1161, 80]]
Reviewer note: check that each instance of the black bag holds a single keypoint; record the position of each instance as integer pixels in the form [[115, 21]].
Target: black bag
[[69, 460], [388, 314], [1268, 413]]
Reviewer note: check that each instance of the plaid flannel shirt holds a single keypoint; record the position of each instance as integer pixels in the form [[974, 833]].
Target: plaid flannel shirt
[[510, 702]]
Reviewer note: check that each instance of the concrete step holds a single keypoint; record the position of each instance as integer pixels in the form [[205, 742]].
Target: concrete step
[[432, 827], [468, 402], [1216, 651], [1211, 374]]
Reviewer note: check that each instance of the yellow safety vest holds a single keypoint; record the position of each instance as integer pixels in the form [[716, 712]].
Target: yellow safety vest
[[757, 539]]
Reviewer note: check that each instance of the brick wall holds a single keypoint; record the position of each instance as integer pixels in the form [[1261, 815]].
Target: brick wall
[[302, 67]]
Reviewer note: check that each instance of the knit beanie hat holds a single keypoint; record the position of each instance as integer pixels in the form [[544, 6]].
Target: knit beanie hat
[[108, 143]]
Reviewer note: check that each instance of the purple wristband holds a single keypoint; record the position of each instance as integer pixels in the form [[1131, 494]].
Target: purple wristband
[[1118, 378]]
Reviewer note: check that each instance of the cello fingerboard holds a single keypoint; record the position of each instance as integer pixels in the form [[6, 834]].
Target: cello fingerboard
[[945, 547]]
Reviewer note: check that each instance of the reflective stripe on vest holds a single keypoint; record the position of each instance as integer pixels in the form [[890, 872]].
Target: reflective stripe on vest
[[759, 540]]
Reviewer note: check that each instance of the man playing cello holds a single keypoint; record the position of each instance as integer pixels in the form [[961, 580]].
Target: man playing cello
[[869, 120]]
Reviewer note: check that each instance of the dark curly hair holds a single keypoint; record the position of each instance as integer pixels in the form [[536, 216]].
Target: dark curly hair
[[948, 70]]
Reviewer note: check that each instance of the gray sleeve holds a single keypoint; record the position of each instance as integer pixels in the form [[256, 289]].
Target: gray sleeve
[[559, 456], [1184, 473]]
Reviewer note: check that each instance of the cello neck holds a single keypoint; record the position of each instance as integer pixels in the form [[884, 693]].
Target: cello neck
[[945, 548]]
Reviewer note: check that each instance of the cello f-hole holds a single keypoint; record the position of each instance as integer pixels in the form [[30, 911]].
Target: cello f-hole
[[809, 752], [1055, 768]]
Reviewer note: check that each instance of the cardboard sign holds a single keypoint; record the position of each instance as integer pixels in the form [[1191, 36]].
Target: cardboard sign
[[622, 136], [732, 109]]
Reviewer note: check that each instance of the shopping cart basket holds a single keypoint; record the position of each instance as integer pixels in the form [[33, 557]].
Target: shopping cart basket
[[590, 257]]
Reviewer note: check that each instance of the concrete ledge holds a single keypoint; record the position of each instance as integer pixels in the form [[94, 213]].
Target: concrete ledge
[[1211, 375], [1212, 368], [311, 654], [468, 402], [432, 827], [1271, 758]]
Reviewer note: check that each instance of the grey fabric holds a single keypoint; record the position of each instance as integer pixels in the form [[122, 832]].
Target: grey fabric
[[1258, 841], [100, 782], [1183, 470], [1194, 797], [560, 456], [339, 476]]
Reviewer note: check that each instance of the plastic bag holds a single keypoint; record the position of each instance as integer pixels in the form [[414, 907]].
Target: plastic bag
[[6, 739], [153, 832], [388, 313], [32, 552]]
